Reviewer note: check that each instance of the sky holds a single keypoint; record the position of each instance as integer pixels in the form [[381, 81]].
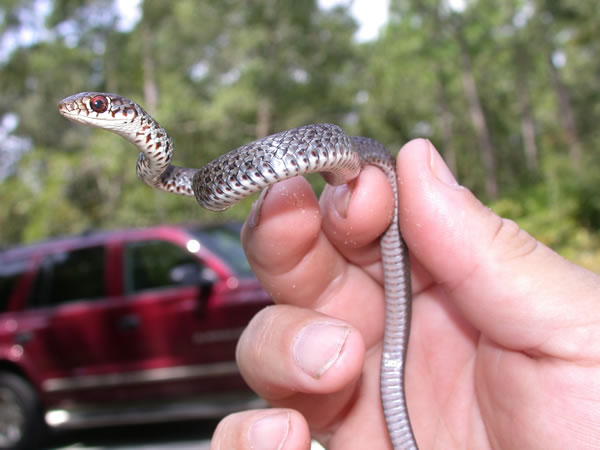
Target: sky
[[370, 14]]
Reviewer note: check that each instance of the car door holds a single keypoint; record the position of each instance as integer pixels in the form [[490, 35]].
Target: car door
[[74, 328], [173, 290]]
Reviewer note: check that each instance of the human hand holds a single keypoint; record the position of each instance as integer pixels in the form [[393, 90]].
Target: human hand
[[504, 348]]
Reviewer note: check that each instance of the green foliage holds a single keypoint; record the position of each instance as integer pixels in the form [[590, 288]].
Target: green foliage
[[218, 74], [562, 212]]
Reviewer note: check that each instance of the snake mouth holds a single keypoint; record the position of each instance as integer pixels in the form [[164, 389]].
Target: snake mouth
[[63, 109], [77, 112], [69, 108], [74, 115], [76, 108], [118, 112]]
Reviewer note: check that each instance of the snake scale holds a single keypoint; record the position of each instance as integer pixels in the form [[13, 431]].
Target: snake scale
[[322, 148]]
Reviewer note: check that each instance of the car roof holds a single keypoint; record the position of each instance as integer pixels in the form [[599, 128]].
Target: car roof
[[97, 237]]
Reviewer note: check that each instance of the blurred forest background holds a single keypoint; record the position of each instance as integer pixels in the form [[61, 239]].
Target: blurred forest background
[[508, 90]]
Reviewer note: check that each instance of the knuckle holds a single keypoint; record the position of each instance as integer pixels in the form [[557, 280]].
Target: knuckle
[[510, 241], [223, 433], [255, 336]]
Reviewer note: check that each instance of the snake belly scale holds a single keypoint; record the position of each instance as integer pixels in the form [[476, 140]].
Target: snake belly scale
[[322, 148]]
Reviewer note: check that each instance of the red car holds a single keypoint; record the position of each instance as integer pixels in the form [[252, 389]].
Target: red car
[[122, 326]]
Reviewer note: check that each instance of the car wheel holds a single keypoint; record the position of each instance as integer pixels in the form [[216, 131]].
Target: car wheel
[[22, 424]]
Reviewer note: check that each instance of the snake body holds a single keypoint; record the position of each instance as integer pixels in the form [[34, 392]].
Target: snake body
[[322, 148]]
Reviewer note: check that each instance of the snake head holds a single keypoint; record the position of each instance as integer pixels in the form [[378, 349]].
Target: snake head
[[101, 110]]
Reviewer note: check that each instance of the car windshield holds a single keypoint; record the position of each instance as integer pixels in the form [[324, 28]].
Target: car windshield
[[224, 241]]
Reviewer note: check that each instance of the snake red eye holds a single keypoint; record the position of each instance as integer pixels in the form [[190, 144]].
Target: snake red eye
[[99, 103]]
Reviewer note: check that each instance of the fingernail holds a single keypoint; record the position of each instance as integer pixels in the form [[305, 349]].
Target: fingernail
[[254, 215], [341, 199], [439, 167], [270, 432], [318, 346]]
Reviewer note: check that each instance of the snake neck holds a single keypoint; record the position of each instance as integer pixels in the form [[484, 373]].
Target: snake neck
[[155, 145], [156, 152]]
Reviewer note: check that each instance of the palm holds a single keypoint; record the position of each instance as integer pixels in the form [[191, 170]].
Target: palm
[[468, 391]]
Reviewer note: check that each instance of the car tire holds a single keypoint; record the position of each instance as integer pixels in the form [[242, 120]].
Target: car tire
[[22, 424]]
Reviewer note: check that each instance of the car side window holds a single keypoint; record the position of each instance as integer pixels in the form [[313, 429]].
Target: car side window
[[10, 273], [150, 264], [71, 275]]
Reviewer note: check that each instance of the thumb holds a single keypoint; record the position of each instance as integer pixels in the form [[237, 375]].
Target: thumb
[[509, 286]]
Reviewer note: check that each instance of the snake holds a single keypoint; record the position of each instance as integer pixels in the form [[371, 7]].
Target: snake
[[317, 148]]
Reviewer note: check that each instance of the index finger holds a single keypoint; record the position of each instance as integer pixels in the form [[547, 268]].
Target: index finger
[[298, 264]]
